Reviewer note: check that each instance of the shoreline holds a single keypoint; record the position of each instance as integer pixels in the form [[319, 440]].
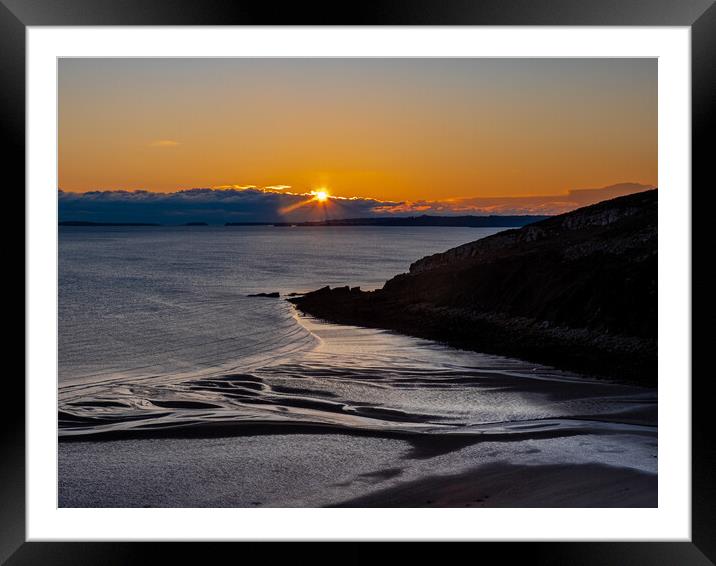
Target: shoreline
[[621, 359], [252, 403], [190, 454], [577, 291]]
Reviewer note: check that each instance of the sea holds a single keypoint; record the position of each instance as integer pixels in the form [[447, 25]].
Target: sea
[[160, 339]]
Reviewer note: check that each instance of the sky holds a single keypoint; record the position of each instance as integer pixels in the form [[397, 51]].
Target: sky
[[388, 136]]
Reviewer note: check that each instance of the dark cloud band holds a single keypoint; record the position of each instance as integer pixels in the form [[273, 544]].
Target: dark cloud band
[[217, 206]]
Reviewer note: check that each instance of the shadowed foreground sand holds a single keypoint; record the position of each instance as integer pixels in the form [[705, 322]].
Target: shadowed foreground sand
[[318, 470], [506, 485]]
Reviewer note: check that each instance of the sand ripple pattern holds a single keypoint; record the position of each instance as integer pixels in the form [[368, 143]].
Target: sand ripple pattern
[[360, 381]]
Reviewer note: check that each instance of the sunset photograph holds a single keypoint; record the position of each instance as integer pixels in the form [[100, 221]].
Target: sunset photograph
[[357, 282]]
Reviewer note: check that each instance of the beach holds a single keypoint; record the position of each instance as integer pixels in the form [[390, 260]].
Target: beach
[[363, 420], [180, 389], [335, 470]]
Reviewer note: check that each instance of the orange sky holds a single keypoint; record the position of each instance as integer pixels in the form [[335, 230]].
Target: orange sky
[[391, 129]]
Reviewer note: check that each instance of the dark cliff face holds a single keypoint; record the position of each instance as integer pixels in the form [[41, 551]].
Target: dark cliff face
[[577, 290], [593, 268]]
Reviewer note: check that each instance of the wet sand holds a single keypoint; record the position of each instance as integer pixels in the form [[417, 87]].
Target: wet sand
[[509, 485], [315, 470], [366, 418]]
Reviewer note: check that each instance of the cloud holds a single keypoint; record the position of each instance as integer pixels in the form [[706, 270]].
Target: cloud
[[236, 187], [541, 204], [207, 205], [164, 143], [247, 203], [244, 187]]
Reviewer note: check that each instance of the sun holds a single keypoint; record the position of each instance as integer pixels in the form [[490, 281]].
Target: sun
[[321, 195]]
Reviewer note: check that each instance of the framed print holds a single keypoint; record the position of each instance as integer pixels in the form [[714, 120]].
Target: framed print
[[420, 273]]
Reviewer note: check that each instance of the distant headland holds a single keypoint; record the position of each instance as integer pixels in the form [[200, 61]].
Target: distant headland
[[85, 223]]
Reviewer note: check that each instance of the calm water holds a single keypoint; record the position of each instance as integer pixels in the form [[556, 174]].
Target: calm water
[[167, 302], [157, 337]]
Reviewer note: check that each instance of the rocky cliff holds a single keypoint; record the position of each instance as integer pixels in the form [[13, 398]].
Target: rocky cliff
[[578, 291]]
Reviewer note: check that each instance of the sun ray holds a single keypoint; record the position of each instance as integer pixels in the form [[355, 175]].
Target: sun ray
[[294, 206]]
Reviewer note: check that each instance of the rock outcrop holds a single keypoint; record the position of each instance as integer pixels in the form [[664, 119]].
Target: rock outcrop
[[577, 291]]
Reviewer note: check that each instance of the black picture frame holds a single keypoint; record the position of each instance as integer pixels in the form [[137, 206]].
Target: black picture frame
[[699, 15]]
